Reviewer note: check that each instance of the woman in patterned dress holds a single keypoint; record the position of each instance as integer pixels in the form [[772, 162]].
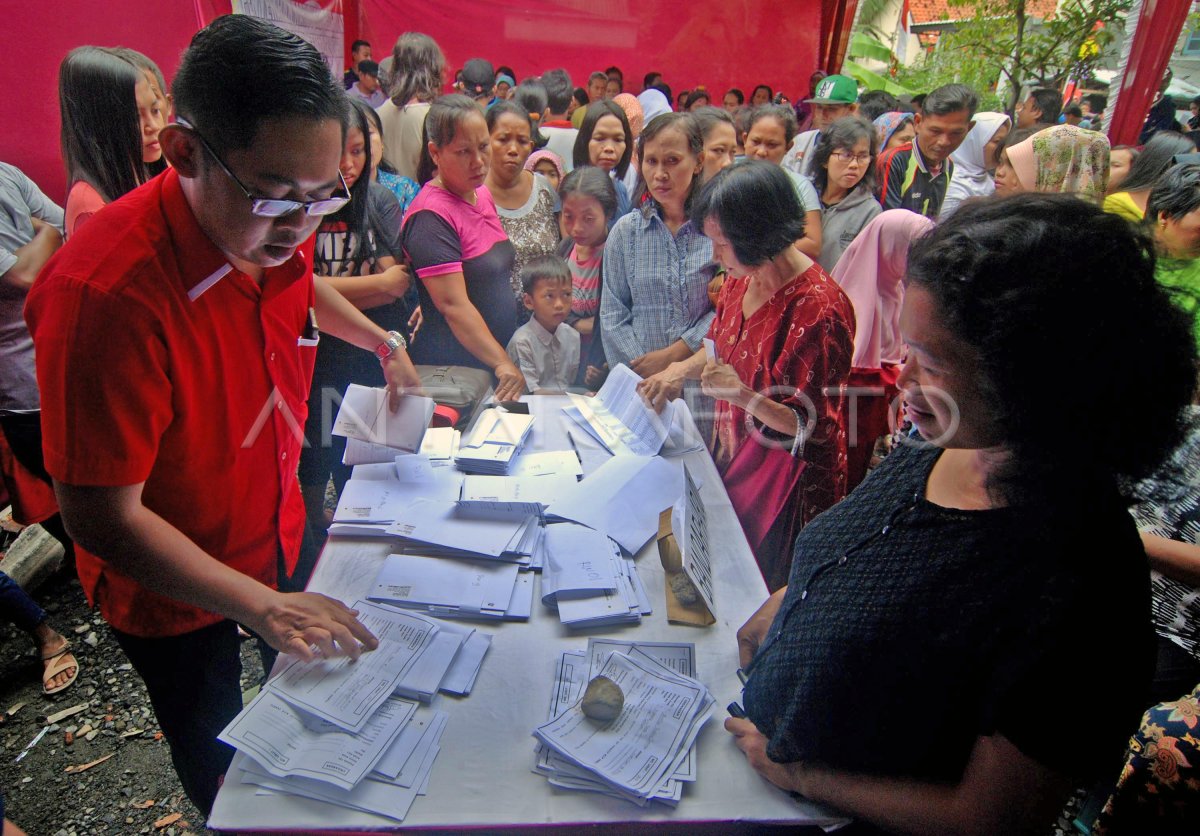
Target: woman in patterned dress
[[784, 337]]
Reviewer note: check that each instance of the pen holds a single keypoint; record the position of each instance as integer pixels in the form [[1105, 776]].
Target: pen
[[571, 439]]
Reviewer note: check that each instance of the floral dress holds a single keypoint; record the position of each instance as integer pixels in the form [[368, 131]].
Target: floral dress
[[533, 230]]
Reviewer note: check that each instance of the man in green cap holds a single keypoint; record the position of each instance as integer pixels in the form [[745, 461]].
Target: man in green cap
[[836, 96]]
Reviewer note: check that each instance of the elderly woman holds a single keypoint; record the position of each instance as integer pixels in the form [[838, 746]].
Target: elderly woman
[[910, 674], [784, 336]]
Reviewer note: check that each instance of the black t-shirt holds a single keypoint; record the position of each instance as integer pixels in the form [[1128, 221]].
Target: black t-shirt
[[909, 629]]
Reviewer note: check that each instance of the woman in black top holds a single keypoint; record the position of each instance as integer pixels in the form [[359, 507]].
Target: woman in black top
[[923, 668]]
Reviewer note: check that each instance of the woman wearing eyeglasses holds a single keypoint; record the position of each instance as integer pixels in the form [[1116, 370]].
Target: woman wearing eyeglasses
[[844, 175]]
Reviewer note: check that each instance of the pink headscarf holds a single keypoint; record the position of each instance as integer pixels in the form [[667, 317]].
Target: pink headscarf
[[537, 156], [871, 271], [633, 112]]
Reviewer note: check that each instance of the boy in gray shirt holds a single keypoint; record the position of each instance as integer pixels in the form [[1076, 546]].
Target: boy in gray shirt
[[545, 348]]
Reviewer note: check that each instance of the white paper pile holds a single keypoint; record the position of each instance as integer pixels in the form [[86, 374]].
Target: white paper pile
[[518, 496], [455, 588], [346, 732], [367, 423], [494, 442], [588, 581], [618, 417], [442, 528], [378, 494], [648, 752], [623, 498]]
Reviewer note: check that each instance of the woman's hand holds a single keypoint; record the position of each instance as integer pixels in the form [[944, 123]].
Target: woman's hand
[[510, 383], [752, 633], [665, 386], [753, 744], [395, 281], [720, 380], [415, 322]]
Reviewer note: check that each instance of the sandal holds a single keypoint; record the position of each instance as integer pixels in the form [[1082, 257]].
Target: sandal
[[59, 662]]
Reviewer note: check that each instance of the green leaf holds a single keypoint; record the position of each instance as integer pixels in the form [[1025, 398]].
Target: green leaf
[[864, 46], [873, 81]]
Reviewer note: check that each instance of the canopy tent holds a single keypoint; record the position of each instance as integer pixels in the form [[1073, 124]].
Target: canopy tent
[[714, 42]]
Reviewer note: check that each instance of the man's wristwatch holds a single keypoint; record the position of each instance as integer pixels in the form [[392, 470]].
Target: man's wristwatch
[[394, 340]]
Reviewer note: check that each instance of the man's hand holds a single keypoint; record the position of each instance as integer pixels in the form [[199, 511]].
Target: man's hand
[[754, 746], [653, 362], [510, 383], [752, 633], [401, 377], [295, 621]]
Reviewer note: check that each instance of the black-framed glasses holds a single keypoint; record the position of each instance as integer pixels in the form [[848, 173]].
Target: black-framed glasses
[[270, 207]]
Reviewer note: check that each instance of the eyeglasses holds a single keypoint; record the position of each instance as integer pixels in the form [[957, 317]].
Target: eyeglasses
[[269, 207], [848, 157]]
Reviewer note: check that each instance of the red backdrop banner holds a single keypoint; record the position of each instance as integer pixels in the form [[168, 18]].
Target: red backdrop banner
[[718, 43]]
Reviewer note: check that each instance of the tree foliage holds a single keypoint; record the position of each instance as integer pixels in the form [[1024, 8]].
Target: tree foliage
[[999, 46]]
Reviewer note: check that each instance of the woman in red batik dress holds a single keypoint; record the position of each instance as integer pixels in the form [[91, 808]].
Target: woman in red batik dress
[[784, 338]]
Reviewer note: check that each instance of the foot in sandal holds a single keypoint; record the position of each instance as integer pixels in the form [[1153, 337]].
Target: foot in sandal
[[61, 667]]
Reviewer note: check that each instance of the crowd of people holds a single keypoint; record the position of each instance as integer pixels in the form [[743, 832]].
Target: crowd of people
[[843, 254]]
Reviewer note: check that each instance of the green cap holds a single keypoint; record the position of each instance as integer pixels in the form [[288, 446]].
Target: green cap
[[835, 89]]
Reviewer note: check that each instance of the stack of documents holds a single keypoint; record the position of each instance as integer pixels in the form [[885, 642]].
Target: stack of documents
[[480, 589], [623, 498], [494, 442], [648, 752], [588, 581], [619, 419], [518, 496], [443, 528], [354, 733], [378, 494], [371, 429]]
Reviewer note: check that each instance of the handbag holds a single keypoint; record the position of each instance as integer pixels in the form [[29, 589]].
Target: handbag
[[761, 482], [461, 388]]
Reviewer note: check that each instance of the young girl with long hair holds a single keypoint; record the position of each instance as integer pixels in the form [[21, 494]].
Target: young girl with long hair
[[589, 204]]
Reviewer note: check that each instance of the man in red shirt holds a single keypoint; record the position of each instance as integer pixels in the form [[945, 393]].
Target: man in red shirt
[[175, 337]]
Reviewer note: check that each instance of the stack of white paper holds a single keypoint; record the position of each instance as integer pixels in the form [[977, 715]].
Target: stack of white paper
[[441, 443], [436, 527], [494, 442], [513, 495], [378, 494], [364, 416], [618, 417], [588, 581], [647, 752], [555, 463], [623, 498], [455, 588]]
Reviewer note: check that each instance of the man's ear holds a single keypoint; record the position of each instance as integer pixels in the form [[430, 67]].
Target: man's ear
[[182, 150]]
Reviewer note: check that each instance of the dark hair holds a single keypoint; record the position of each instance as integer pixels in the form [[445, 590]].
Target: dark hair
[[240, 71], [1176, 194], [417, 68], [707, 118], [874, 103], [688, 126], [949, 98], [530, 96], [595, 112], [1073, 110], [767, 87], [664, 88], [581, 97], [445, 117], [737, 94], [354, 46], [512, 108], [697, 95], [101, 131], [650, 80], [368, 67], [506, 70], [558, 90], [592, 182], [844, 134], [615, 70], [1096, 101], [784, 115], [1015, 136], [682, 98], [143, 62], [1156, 157], [777, 221], [1049, 102], [356, 214], [384, 165], [996, 271], [543, 268]]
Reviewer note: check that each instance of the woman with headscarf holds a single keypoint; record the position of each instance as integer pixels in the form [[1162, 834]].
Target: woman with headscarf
[[653, 103], [871, 272], [1063, 159], [895, 129], [974, 161]]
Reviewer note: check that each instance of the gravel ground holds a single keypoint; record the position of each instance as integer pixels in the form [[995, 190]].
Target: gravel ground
[[134, 791]]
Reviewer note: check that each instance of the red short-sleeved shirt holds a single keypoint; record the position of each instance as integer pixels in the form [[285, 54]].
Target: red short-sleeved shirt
[[160, 363]]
